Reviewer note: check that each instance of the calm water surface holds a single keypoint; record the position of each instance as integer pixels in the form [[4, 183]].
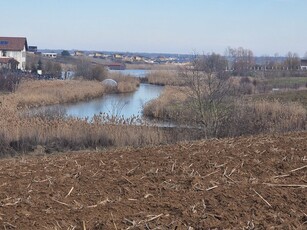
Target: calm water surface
[[133, 72], [126, 105]]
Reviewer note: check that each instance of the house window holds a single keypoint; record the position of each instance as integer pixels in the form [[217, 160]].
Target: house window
[[4, 42], [4, 53]]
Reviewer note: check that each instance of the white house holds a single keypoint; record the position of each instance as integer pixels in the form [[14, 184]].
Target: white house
[[304, 64], [16, 48], [50, 55]]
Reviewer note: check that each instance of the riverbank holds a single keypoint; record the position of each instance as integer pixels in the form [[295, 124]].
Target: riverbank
[[23, 132]]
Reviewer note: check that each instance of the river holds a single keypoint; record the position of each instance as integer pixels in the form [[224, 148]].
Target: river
[[132, 72], [126, 104]]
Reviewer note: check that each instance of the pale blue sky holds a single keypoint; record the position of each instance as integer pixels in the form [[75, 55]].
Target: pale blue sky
[[169, 26]]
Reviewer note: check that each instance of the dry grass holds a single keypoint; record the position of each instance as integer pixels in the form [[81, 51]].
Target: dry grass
[[169, 105], [32, 93], [243, 117], [166, 77], [126, 83], [21, 132], [253, 117]]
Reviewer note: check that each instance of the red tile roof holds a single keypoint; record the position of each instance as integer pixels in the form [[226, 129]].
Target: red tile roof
[[7, 60], [13, 43]]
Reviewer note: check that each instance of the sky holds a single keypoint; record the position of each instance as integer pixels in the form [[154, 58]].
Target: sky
[[267, 27]]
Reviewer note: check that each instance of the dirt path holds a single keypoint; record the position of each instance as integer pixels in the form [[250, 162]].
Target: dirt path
[[244, 183]]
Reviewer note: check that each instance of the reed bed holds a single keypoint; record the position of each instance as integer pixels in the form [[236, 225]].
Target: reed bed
[[242, 117], [126, 83], [33, 93], [24, 133], [170, 105], [166, 77], [263, 116]]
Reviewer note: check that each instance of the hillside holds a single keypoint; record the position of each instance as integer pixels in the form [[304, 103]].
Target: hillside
[[247, 183]]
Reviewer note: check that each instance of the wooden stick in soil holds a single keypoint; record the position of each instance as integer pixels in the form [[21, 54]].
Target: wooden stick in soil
[[287, 185], [113, 221], [293, 170], [263, 198], [72, 188]]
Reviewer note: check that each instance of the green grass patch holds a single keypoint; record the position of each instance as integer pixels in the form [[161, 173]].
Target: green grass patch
[[287, 82], [299, 96]]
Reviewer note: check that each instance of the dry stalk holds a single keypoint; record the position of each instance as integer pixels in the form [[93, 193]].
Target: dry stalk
[[132, 222], [230, 179], [173, 166], [131, 171], [281, 176], [212, 173], [9, 224], [70, 191], [113, 221], [213, 187], [12, 203], [153, 218], [219, 166], [59, 202], [287, 185], [83, 223], [263, 198], [148, 195], [294, 170], [128, 180], [104, 202]]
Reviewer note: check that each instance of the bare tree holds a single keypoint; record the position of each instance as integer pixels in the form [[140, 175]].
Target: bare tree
[[89, 71], [53, 68], [242, 60], [208, 87], [292, 61]]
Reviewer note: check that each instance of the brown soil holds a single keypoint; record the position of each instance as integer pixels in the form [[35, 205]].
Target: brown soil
[[243, 183]]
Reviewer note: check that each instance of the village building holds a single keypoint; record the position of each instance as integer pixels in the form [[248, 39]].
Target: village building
[[32, 49], [13, 52], [50, 55], [79, 53], [304, 64]]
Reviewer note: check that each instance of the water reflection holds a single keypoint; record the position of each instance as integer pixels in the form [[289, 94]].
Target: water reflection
[[125, 105]]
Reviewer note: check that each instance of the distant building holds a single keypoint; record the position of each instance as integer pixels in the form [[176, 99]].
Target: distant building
[[118, 56], [50, 55], [98, 55], [32, 49], [303, 64], [13, 48], [79, 53]]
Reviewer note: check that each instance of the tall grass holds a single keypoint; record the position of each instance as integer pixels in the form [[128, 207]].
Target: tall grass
[[254, 117], [166, 77], [32, 93], [21, 132], [243, 117], [170, 105], [125, 83], [24, 133]]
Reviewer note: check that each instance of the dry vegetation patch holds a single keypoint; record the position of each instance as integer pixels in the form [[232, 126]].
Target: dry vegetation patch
[[45, 92]]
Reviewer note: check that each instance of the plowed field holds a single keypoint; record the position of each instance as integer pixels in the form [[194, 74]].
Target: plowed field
[[243, 183]]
